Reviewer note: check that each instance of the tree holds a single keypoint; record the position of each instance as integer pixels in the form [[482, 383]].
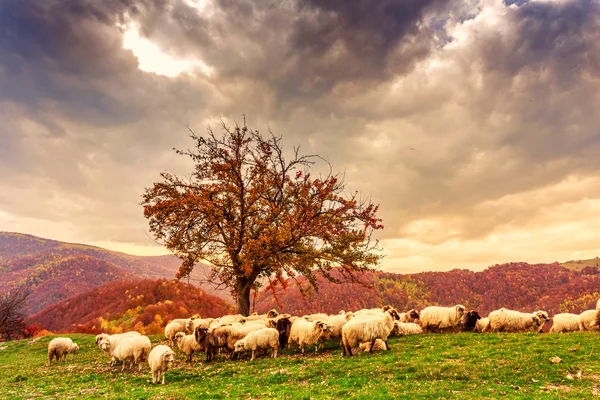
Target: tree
[[12, 321], [256, 217]]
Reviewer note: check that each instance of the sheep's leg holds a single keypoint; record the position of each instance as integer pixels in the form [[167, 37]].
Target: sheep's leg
[[253, 354], [372, 345], [387, 346], [163, 377], [275, 352]]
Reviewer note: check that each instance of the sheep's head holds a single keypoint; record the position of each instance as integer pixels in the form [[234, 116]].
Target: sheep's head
[[414, 314], [322, 325], [104, 345], [239, 346], [386, 307], [101, 337], [178, 336], [200, 334], [75, 348], [189, 324], [460, 309], [349, 315], [393, 313], [543, 316], [169, 357], [272, 313]]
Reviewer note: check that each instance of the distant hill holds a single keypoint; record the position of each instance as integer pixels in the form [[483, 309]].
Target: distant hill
[[144, 305], [54, 270], [578, 265], [518, 286]]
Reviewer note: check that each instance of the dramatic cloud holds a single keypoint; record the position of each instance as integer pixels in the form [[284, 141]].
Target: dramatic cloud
[[473, 123]]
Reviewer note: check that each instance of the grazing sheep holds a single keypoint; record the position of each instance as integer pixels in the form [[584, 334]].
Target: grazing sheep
[[266, 338], [187, 344], [377, 346], [406, 328], [589, 320], [505, 320], [368, 328], [482, 324], [565, 323], [105, 336], [409, 316], [284, 327], [223, 337], [160, 360], [134, 349], [435, 317], [468, 321], [309, 333], [59, 347], [174, 327]]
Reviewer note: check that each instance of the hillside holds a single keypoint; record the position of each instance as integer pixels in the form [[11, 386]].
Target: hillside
[[144, 305], [518, 286], [43, 266]]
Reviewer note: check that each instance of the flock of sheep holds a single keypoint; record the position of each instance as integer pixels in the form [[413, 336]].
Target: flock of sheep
[[366, 329]]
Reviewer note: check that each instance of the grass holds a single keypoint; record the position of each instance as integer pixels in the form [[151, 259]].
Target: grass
[[461, 366]]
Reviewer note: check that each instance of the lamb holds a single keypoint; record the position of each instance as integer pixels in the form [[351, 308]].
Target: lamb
[[187, 344], [267, 338], [309, 333], [406, 328], [435, 317], [565, 323], [59, 347], [589, 320], [160, 360], [505, 320], [368, 329], [482, 325], [134, 349], [377, 346]]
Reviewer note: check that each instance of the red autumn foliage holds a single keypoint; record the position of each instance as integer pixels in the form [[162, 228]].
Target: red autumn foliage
[[518, 286], [126, 305]]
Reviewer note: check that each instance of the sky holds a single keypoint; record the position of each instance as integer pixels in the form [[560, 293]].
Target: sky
[[473, 124]]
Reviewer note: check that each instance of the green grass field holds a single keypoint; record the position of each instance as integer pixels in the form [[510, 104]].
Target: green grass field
[[461, 366]]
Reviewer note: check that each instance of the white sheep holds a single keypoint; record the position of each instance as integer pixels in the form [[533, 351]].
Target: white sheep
[[336, 322], [315, 317], [134, 349], [368, 328], [59, 347], [482, 324], [187, 344], [160, 359], [505, 320], [309, 333], [173, 327], [565, 323], [192, 324], [435, 317], [106, 336], [266, 338], [406, 328], [589, 320]]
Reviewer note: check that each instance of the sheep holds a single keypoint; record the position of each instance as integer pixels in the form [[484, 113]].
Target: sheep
[[110, 342], [309, 333], [187, 344], [469, 321], [160, 359], [406, 328], [565, 323], [173, 327], [435, 317], [315, 317], [367, 329], [377, 346], [505, 320], [134, 349], [409, 316], [543, 317], [59, 347], [589, 320], [230, 319], [223, 337], [284, 327], [337, 322], [372, 311], [482, 324], [103, 336], [192, 324], [266, 338]]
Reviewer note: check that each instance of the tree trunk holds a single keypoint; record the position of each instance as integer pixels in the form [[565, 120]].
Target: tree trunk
[[242, 290]]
